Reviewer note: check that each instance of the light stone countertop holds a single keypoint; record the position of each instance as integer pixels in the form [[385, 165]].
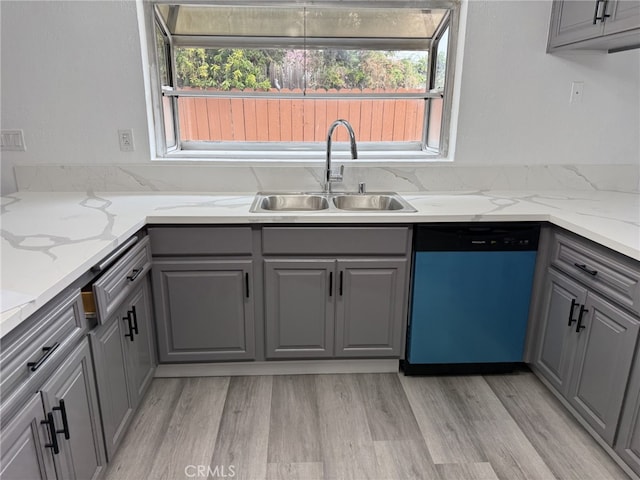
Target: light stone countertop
[[50, 239]]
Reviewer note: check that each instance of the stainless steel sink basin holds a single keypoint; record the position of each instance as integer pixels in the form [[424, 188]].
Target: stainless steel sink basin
[[368, 202], [291, 202], [330, 202]]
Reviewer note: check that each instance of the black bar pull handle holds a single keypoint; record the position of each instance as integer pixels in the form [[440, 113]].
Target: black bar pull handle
[[330, 284], [574, 304], [47, 352], [579, 325], [246, 283], [134, 274], [65, 423], [341, 281], [604, 11], [52, 433], [128, 319], [586, 269], [134, 317]]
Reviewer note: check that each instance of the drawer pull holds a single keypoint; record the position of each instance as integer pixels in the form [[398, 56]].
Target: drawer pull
[[246, 283], [134, 315], [128, 319], [341, 282], [584, 268], [134, 274], [65, 422], [52, 433], [579, 326], [47, 352], [574, 304]]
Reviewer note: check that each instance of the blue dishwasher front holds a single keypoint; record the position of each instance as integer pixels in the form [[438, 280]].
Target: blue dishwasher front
[[471, 292]]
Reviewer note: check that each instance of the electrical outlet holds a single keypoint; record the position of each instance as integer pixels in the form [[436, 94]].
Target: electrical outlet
[[126, 140], [577, 89], [12, 140]]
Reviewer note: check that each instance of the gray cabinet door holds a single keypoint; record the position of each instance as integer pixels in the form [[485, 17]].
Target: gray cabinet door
[[299, 308], [625, 15], [603, 362], [204, 310], [141, 351], [116, 399], [70, 394], [23, 455], [558, 340], [369, 307], [628, 440], [572, 21]]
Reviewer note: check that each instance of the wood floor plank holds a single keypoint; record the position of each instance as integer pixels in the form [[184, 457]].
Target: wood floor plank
[[295, 471], [466, 471], [568, 450], [496, 433], [243, 435], [345, 438], [388, 411], [193, 429], [294, 423], [137, 453], [405, 459], [441, 417]]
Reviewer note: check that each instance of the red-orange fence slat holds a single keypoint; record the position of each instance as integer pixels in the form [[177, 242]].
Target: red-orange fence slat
[[262, 120], [250, 124]]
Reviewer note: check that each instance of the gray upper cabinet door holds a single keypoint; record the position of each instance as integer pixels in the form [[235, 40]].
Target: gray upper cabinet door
[[625, 15], [572, 21], [70, 394], [561, 299], [603, 362], [204, 310], [23, 455], [116, 399], [299, 308], [370, 300], [628, 440], [140, 347]]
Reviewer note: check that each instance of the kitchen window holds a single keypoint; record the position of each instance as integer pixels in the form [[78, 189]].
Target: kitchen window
[[264, 80]]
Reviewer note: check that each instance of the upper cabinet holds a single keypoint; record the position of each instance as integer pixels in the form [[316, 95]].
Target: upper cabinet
[[606, 25]]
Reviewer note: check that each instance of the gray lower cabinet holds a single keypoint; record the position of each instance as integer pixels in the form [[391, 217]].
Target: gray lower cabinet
[[586, 349], [24, 455], [628, 439], [204, 309], [561, 299], [124, 357], [319, 308], [299, 308], [604, 354], [369, 307], [57, 434], [70, 394]]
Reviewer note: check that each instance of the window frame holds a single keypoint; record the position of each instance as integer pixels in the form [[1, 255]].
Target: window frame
[[302, 152]]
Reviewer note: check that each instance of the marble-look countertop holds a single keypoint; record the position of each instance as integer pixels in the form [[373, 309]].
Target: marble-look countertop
[[50, 239]]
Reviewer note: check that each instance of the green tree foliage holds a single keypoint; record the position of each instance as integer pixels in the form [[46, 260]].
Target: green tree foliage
[[227, 69]]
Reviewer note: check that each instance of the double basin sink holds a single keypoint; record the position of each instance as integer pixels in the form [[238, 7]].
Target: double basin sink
[[305, 202]]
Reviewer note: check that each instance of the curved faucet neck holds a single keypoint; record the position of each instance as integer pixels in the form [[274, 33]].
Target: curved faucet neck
[[354, 149]]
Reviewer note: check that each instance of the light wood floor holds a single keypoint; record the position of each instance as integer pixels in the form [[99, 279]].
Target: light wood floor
[[359, 426]]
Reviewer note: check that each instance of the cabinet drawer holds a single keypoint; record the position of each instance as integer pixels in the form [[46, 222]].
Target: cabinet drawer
[[611, 275], [335, 240], [41, 343], [120, 280], [201, 240]]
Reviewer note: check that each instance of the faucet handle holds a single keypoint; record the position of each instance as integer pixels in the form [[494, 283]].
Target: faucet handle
[[336, 175], [362, 187]]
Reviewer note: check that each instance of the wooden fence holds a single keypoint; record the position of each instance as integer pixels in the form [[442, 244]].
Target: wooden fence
[[299, 120]]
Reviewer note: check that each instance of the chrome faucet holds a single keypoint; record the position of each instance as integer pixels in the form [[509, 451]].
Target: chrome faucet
[[331, 175]]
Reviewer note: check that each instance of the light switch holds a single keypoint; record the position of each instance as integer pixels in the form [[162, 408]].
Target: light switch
[[577, 92], [12, 140], [125, 138]]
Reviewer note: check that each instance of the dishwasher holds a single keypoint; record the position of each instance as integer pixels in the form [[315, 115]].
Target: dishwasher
[[470, 297]]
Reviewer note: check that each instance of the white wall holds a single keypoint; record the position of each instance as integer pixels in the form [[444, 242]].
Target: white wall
[[71, 76], [514, 104]]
